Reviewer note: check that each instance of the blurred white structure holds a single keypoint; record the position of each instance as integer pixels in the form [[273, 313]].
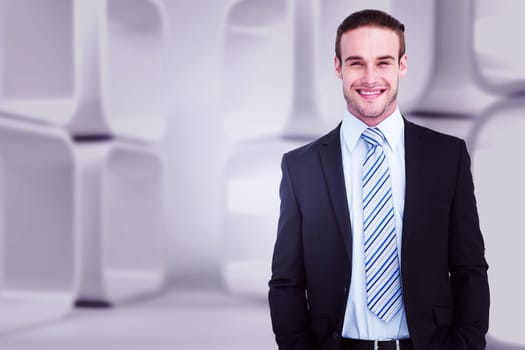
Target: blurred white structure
[[257, 51], [95, 67], [121, 222], [253, 168], [251, 212], [37, 235], [455, 88], [37, 60], [82, 220], [500, 61], [120, 69], [498, 174]]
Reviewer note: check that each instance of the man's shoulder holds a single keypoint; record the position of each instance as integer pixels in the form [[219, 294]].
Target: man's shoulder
[[430, 134], [312, 148]]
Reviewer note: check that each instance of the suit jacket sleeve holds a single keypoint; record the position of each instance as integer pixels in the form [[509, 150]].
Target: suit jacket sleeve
[[287, 296], [467, 265]]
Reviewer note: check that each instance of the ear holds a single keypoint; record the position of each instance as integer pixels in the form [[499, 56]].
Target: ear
[[337, 66], [403, 65]]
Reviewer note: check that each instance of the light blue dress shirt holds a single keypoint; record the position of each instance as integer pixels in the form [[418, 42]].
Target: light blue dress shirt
[[359, 322]]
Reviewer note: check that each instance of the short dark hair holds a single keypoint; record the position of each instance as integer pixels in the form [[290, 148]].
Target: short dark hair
[[374, 18]]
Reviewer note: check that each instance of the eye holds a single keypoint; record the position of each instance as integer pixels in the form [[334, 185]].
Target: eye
[[355, 64], [384, 63]]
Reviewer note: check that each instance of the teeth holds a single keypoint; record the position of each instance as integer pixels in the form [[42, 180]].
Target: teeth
[[377, 92]]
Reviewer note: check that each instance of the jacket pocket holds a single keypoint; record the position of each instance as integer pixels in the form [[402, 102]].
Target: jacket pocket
[[443, 316]]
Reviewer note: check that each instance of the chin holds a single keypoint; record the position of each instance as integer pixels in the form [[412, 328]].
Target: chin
[[373, 115]]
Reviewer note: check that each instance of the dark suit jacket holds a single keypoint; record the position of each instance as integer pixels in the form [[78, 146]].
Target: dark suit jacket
[[444, 272]]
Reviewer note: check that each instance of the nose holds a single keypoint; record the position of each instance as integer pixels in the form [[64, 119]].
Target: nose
[[369, 76]]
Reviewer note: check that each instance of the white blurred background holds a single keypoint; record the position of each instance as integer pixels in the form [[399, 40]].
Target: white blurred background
[[140, 143]]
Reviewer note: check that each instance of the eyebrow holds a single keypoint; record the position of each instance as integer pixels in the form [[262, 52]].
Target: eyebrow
[[353, 58], [387, 57], [357, 58]]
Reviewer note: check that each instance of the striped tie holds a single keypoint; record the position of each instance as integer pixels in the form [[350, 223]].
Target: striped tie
[[383, 282]]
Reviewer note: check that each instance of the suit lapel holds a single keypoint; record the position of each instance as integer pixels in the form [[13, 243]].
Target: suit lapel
[[413, 165], [332, 164]]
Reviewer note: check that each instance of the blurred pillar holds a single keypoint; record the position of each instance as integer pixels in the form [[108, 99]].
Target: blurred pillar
[[455, 87]]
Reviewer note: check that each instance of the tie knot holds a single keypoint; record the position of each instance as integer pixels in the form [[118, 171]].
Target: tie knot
[[373, 137]]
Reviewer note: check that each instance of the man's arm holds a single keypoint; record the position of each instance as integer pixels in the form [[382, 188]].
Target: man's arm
[[287, 296], [468, 268]]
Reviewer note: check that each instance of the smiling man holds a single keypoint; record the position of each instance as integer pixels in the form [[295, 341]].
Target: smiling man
[[378, 243]]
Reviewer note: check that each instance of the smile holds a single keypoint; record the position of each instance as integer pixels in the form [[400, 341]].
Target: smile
[[369, 94]]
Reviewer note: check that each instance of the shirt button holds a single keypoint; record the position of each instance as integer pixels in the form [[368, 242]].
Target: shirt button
[[345, 290], [335, 335]]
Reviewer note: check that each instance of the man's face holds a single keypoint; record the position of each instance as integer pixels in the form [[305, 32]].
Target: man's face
[[370, 71]]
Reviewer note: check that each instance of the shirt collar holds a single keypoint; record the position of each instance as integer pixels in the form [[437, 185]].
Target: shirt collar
[[392, 127]]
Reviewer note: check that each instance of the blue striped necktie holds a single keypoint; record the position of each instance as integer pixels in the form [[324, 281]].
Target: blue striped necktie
[[383, 282]]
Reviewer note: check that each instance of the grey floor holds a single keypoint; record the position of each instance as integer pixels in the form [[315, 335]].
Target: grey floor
[[181, 318]]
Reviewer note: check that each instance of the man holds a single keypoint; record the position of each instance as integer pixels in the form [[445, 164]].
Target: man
[[378, 243]]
